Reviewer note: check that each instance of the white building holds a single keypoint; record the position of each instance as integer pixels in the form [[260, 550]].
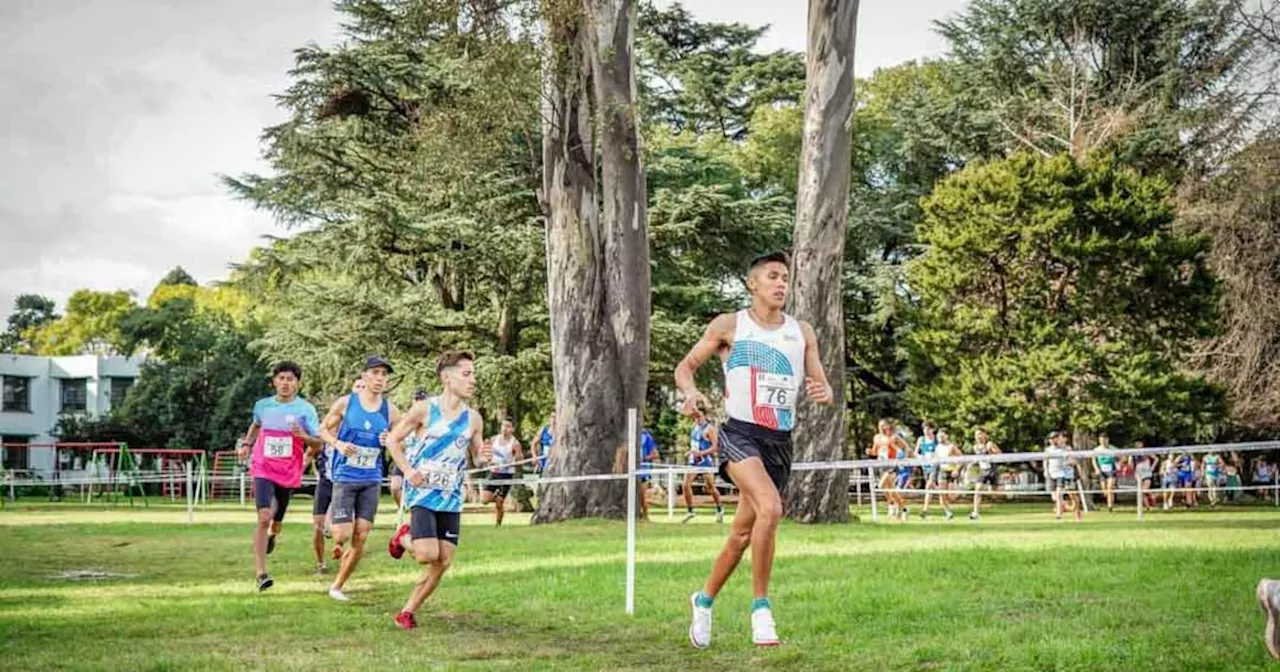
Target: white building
[[38, 390]]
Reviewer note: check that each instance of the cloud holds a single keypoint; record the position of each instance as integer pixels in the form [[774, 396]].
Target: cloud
[[118, 118], [118, 115]]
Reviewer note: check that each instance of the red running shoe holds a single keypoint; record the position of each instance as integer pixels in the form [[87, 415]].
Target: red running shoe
[[394, 547], [406, 621]]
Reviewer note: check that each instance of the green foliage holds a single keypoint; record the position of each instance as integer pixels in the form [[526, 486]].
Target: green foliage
[[1055, 293], [90, 325], [30, 312]]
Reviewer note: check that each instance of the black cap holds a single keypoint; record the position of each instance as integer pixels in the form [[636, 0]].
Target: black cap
[[374, 361]]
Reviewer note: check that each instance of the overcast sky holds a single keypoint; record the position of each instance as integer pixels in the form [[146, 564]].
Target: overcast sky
[[118, 117]]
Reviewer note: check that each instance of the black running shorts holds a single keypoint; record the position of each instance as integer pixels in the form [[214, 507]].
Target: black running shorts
[[352, 501], [267, 494], [324, 496], [499, 489], [427, 524], [740, 441]]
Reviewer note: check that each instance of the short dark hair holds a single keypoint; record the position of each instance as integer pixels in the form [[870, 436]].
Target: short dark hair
[[452, 358], [929, 424], [291, 367], [420, 394], [772, 257]]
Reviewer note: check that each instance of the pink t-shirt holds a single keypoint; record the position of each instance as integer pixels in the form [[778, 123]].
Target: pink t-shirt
[[277, 453]]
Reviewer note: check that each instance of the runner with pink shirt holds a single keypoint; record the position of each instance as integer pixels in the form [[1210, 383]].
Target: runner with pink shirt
[[283, 434]]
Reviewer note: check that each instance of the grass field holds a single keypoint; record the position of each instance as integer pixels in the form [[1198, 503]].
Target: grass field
[[1015, 591]]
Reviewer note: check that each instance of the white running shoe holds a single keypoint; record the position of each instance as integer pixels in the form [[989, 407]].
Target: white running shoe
[[974, 516], [700, 627], [948, 515], [338, 595], [688, 517], [763, 631], [719, 515]]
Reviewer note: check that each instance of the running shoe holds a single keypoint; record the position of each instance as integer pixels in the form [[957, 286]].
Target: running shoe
[[394, 547], [406, 621]]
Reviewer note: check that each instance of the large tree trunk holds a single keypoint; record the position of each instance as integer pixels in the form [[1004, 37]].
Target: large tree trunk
[[822, 212], [597, 267]]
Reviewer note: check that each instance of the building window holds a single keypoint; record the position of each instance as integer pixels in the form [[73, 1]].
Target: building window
[[14, 451], [119, 390], [17, 394], [75, 395]]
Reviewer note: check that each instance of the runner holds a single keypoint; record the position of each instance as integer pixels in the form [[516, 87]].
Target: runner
[[926, 446], [1144, 467], [988, 472], [1268, 593], [1213, 476], [546, 441], [356, 426], [768, 358], [320, 507], [888, 445], [1061, 472], [282, 434], [321, 513], [1187, 478], [1104, 465], [1169, 480], [946, 476], [506, 451], [648, 456], [703, 453], [430, 444]]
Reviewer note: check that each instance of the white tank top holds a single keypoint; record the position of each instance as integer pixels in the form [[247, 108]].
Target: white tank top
[[503, 454], [763, 373]]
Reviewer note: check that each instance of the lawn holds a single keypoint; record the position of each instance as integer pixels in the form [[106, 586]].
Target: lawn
[[1014, 591]]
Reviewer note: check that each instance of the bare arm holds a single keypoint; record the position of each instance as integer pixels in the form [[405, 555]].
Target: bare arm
[[815, 377], [332, 423], [406, 425], [716, 337], [714, 437], [242, 450], [481, 452]]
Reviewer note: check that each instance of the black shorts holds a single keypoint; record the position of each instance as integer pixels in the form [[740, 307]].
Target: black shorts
[[427, 524], [989, 477], [499, 489], [352, 501], [740, 441], [324, 495], [267, 494]]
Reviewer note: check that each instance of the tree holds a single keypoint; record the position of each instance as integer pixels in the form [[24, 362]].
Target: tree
[[1055, 292], [709, 78], [199, 382], [90, 325], [818, 269], [410, 156], [1240, 210], [597, 255], [1162, 82], [30, 312], [177, 276]]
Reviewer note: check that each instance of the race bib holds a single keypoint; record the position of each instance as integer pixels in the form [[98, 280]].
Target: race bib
[[439, 476], [365, 458], [277, 447], [775, 390]]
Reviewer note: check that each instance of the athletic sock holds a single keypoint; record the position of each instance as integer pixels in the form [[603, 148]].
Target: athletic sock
[[690, 509], [703, 600], [760, 603]]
